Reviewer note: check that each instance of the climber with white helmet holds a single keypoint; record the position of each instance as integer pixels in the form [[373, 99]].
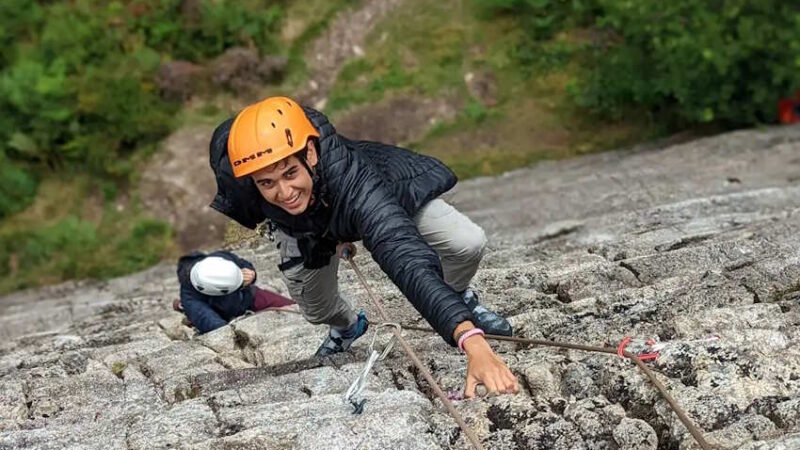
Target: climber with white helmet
[[218, 287], [283, 164]]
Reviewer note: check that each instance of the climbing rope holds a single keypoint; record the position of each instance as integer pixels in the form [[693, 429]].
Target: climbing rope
[[696, 433], [682, 416], [473, 439]]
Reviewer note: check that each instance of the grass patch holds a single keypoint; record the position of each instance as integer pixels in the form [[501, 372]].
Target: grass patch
[[209, 111], [428, 49], [420, 49], [79, 228], [305, 21], [118, 367], [237, 234], [536, 125]]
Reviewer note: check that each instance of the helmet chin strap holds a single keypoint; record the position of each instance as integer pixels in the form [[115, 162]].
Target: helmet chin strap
[[308, 168], [314, 178]]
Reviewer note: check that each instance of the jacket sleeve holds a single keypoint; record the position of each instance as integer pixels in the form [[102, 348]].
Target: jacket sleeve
[[200, 313], [391, 236]]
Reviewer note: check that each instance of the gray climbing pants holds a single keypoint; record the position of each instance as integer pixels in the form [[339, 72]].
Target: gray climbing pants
[[457, 240]]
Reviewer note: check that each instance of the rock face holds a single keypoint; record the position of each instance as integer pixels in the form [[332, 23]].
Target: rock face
[[696, 245], [178, 186], [180, 80], [244, 71], [340, 42], [402, 119]]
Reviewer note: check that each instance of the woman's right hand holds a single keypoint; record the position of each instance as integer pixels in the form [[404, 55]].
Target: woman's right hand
[[248, 276], [486, 368]]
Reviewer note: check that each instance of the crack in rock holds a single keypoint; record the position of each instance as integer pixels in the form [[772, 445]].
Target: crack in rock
[[683, 242], [627, 266]]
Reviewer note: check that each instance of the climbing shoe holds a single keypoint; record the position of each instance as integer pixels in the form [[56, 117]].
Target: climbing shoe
[[489, 321], [338, 341]]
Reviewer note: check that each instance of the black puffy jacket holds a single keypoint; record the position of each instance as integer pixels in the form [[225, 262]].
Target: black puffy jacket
[[369, 191]]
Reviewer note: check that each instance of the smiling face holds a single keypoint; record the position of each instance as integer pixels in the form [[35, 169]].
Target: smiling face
[[287, 184]]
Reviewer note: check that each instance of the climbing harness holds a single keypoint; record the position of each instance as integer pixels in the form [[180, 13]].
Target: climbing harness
[[267, 229], [355, 389]]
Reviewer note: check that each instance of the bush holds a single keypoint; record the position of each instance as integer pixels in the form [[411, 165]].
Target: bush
[[81, 93], [51, 252], [540, 19], [144, 246], [684, 61], [78, 80], [202, 29], [728, 61], [74, 248], [18, 18], [17, 188]]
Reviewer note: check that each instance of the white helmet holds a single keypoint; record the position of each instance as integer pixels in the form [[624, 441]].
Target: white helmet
[[216, 276]]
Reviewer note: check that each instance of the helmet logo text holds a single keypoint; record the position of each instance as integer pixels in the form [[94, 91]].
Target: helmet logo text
[[252, 157]]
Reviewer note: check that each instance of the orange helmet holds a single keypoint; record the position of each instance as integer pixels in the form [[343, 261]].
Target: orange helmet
[[267, 132]]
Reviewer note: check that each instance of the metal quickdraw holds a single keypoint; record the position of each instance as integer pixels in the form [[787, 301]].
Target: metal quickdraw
[[696, 432], [360, 383], [650, 349]]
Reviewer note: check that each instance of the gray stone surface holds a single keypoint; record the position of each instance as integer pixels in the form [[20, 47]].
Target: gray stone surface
[[695, 245], [635, 434]]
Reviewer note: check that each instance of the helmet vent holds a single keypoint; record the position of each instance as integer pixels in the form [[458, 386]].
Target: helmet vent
[[280, 112], [289, 139], [273, 124]]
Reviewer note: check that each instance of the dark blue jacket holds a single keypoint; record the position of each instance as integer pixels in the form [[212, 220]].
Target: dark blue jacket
[[207, 312], [369, 191]]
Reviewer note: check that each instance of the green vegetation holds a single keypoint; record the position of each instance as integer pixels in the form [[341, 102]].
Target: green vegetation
[[82, 237], [305, 20], [682, 62], [576, 76], [118, 368], [427, 50], [80, 109], [419, 50], [78, 79], [79, 100], [17, 187]]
